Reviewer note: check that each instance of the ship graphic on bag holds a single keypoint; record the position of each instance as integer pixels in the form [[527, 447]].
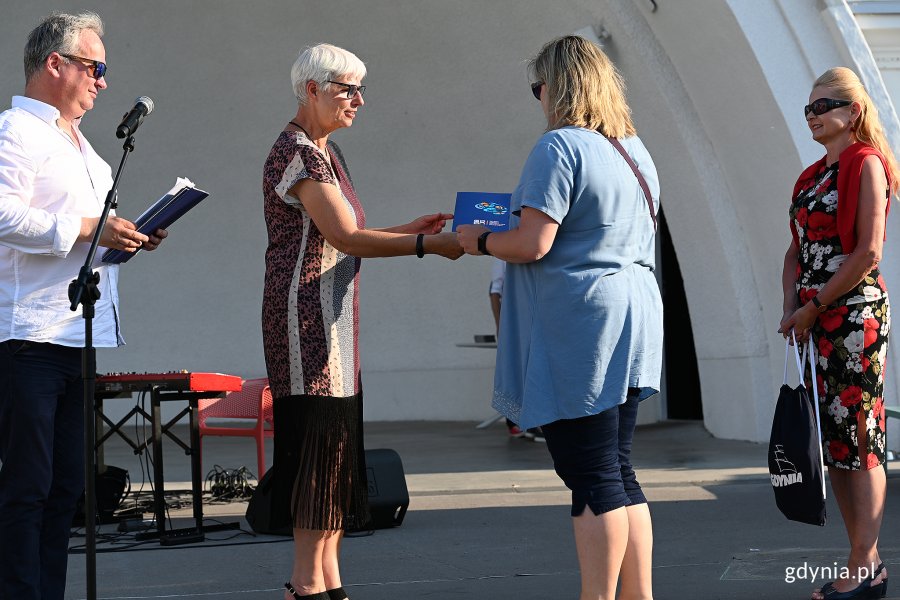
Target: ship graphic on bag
[[787, 474]]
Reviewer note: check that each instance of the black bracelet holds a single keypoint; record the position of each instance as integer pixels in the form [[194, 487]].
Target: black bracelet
[[482, 243], [420, 247]]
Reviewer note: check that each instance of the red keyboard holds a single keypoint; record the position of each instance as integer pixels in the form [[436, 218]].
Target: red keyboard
[[179, 381]]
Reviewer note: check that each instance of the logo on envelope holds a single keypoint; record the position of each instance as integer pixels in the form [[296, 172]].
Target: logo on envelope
[[492, 208]]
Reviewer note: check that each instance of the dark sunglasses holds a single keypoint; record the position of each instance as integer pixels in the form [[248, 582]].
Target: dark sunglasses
[[351, 88], [536, 89], [823, 105], [98, 69]]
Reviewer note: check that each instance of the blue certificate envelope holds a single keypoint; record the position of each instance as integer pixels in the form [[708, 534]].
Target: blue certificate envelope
[[482, 208], [161, 214]]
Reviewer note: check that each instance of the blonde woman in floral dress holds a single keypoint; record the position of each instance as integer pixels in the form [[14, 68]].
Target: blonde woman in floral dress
[[834, 290]]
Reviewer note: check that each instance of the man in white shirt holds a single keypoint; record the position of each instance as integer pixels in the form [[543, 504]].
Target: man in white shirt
[[52, 189]]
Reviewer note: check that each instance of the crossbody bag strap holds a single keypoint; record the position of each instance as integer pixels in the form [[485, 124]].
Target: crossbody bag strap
[[637, 173]]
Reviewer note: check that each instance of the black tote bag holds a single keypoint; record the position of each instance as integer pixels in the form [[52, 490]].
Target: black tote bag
[[795, 447]]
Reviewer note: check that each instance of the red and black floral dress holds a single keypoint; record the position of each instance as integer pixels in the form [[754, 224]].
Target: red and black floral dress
[[852, 335]]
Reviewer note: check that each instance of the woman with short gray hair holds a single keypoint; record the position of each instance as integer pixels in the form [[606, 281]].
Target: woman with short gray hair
[[317, 236]]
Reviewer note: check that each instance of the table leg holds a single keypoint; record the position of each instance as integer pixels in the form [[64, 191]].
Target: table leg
[[159, 496], [196, 484]]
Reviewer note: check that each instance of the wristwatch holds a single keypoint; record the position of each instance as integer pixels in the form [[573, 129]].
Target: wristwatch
[[482, 243], [818, 305]]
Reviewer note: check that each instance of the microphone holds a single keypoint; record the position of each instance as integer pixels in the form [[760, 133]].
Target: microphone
[[143, 106]]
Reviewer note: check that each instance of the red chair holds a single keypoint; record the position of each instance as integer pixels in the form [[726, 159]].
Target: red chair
[[254, 401]]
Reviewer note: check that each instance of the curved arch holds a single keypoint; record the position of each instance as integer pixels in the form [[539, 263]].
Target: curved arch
[[725, 209]]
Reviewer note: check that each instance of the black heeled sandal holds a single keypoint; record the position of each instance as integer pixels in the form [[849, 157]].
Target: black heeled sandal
[[340, 594], [317, 596], [864, 591], [881, 586], [821, 589]]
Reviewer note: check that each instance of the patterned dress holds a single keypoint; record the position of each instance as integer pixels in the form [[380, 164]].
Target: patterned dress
[[310, 338], [852, 335]]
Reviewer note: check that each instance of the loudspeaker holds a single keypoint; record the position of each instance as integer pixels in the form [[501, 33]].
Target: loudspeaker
[[265, 513], [388, 497], [110, 487]]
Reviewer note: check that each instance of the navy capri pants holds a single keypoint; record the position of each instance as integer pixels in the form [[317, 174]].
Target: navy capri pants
[[592, 455]]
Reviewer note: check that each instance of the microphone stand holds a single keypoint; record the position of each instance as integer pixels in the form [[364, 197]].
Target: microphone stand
[[84, 291]]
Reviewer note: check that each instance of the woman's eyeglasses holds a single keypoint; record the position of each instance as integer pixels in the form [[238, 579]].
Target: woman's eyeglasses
[[351, 88], [823, 105], [536, 89], [98, 69]]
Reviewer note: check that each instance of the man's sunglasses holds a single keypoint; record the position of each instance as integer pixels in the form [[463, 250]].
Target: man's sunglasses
[[536, 89], [351, 88], [98, 69], [823, 105]]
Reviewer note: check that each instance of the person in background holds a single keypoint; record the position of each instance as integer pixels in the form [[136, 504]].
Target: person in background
[[495, 293], [581, 327], [834, 290], [52, 190], [495, 290]]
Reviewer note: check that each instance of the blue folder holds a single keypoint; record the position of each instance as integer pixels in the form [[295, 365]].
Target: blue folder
[[160, 215], [482, 208]]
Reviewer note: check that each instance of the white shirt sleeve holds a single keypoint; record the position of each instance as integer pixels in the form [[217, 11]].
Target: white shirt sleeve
[[498, 273], [23, 227]]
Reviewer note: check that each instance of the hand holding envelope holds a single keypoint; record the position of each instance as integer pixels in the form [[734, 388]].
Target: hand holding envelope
[[468, 237]]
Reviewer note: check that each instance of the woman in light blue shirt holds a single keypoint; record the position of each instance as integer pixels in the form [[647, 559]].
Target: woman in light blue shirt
[[581, 326]]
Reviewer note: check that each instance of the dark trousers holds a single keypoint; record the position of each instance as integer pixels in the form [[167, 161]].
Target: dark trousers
[[42, 472], [592, 455]]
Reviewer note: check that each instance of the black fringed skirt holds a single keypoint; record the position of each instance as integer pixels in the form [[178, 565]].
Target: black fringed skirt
[[320, 465]]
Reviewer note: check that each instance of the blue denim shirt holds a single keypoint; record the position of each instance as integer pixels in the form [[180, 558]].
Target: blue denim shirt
[[584, 323]]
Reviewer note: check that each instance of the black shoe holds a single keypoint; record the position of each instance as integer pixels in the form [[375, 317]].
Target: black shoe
[[864, 591], [883, 585]]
